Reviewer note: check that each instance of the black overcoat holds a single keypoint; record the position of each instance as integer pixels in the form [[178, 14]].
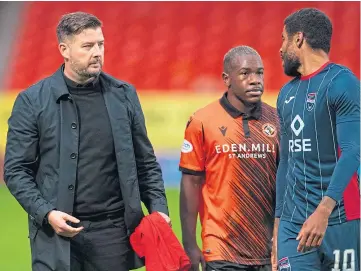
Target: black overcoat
[[41, 161]]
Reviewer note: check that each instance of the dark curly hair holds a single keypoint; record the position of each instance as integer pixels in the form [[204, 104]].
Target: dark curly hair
[[315, 26]]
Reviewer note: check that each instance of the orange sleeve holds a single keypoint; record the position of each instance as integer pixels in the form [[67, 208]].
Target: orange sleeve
[[192, 154]]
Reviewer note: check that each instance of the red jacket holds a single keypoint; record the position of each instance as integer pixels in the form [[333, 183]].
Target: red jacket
[[155, 240]]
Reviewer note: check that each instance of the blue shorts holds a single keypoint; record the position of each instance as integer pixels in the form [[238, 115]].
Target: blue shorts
[[339, 251]]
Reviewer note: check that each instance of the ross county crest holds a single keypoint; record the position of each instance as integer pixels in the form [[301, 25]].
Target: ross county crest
[[311, 100]]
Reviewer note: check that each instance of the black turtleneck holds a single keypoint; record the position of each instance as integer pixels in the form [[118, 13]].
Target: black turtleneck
[[98, 190]]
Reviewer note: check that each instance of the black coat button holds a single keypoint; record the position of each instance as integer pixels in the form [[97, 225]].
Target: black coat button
[[73, 155], [73, 125], [71, 187]]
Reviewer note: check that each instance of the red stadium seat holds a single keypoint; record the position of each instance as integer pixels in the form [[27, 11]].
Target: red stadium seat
[[171, 45]]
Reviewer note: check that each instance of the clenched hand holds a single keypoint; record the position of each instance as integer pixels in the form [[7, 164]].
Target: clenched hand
[[58, 219]]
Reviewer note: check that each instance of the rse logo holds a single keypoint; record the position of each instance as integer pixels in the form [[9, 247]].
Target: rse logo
[[298, 145]]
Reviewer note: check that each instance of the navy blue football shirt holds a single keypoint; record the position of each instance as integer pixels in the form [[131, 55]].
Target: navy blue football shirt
[[320, 144]]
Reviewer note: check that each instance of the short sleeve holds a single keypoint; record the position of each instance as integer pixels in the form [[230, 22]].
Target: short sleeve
[[192, 154], [344, 97]]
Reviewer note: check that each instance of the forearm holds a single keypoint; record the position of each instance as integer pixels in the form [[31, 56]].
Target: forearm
[[275, 234], [280, 188], [23, 188], [326, 206], [275, 228], [281, 181], [189, 225], [21, 160], [189, 208], [348, 134], [151, 184], [152, 191]]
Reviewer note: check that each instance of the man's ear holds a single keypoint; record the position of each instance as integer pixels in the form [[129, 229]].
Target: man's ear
[[299, 38], [64, 50], [226, 79]]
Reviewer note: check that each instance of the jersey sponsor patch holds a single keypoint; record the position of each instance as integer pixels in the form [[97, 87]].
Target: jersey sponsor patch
[[187, 146], [284, 264], [299, 144]]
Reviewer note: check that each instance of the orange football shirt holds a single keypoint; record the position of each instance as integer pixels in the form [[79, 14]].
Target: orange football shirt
[[237, 154]]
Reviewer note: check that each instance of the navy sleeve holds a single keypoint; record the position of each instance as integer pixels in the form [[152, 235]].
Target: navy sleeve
[[344, 99], [282, 166], [21, 160], [151, 184]]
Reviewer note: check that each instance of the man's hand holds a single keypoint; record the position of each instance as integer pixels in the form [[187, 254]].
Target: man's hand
[[196, 257], [58, 221], [167, 219], [314, 228]]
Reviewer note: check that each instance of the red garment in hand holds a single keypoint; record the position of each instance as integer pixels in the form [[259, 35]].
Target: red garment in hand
[[155, 240]]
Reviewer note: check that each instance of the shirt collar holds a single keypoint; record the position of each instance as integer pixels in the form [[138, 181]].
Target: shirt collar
[[256, 111]]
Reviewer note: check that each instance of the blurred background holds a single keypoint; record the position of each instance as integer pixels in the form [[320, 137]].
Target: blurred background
[[172, 52]]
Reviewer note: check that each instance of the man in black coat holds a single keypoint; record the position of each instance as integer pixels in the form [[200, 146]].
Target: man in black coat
[[79, 161]]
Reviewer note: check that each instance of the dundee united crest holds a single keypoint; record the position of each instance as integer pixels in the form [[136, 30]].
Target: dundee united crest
[[269, 130]]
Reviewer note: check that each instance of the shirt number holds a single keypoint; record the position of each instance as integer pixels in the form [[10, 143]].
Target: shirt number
[[348, 260]]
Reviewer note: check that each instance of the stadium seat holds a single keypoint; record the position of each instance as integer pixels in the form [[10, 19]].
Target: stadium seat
[[171, 45]]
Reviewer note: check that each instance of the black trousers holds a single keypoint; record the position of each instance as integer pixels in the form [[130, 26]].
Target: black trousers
[[227, 266], [102, 245]]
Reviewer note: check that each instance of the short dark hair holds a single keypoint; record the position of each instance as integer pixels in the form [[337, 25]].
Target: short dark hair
[[230, 56], [73, 23], [315, 26]]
